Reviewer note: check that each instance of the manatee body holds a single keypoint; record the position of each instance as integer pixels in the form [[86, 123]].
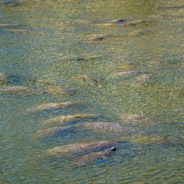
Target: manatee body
[[94, 156], [102, 37], [82, 148], [128, 22], [88, 58], [3, 78], [136, 119], [88, 80], [15, 2], [124, 74], [9, 26], [110, 127], [171, 7], [68, 118], [138, 33], [136, 22], [58, 91], [118, 21], [98, 37], [56, 131], [143, 77], [16, 90], [52, 106]]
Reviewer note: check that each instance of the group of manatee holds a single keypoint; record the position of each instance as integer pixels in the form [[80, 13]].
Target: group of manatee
[[130, 127]]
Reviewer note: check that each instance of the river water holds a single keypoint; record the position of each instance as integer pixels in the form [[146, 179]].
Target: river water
[[46, 44]]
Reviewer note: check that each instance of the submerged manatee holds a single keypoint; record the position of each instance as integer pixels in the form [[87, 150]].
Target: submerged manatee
[[56, 131], [144, 77], [102, 37], [138, 33], [124, 22], [117, 21], [136, 119], [94, 156], [82, 148], [16, 90], [15, 2], [9, 26], [68, 118], [110, 127], [58, 91], [52, 106], [87, 58], [3, 78], [98, 37], [171, 7], [118, 75], [89, 80]]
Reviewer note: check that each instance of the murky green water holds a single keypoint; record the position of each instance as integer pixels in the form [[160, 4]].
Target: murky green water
[[45, 50]]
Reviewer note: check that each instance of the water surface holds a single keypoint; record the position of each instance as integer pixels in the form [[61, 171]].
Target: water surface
[[42, 50]]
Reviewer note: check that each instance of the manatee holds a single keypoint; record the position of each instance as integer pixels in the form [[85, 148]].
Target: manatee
[[58, 91], [136, 22], [110, 127], [88, 58], [138, 32], [3, 78], [52, 106], [124, 74], [103, 37], [15, 2], [10, 26], [157, 63], [90, 80], [144, 77], [126, 66], [117, 21], [171, 7], [82, 148], [128, 22], [18, 30], [155, 139], [94, 156], [68, 118], [80, 58], [16, 90], [98, 37], [136, 119], [56, 131]]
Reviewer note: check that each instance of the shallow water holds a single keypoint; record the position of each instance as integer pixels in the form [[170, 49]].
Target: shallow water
[[42, 50]]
